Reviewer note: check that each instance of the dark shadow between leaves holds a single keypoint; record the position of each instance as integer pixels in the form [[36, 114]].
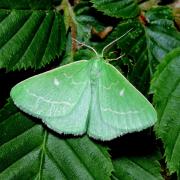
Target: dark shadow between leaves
[[138, 143]]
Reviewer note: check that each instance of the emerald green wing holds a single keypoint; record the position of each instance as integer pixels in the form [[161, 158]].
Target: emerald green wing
[[118, 108], [57, 97], [76, 121]]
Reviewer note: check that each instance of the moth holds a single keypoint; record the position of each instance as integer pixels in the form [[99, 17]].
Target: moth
[[87, 96]]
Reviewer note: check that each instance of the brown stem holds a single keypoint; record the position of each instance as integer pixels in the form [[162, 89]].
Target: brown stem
[[70, 21]]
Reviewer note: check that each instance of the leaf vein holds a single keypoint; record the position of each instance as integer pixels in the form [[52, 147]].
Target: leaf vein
[[78, 156]]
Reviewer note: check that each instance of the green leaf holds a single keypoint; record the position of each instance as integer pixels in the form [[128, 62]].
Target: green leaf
[[166, 88], [85, 21], [137, 168], [123, 8], [28, 151], [83, 54], [23, 4], [148, 43], [29, 38]]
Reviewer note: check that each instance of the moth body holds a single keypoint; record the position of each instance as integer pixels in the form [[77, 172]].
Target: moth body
[[96, 67], [87, 96]]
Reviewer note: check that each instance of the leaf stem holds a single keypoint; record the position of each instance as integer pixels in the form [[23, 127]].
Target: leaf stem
[[69, 19], [42, 154]]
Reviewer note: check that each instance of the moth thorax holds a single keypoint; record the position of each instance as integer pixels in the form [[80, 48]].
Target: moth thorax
[[95, 70]]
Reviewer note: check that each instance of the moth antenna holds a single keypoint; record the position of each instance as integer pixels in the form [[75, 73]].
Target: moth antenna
[[85, 45], [114, 41], [116, 58]]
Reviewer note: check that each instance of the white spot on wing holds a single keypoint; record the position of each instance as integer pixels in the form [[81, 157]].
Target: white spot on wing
[[121, 92], [56, 82]]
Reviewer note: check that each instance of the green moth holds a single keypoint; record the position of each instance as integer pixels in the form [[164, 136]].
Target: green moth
[[87, 96]]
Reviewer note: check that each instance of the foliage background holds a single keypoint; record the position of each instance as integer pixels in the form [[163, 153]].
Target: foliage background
[[35, 36]]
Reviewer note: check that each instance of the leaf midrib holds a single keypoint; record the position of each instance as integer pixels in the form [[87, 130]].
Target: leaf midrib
[[43, 150]]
